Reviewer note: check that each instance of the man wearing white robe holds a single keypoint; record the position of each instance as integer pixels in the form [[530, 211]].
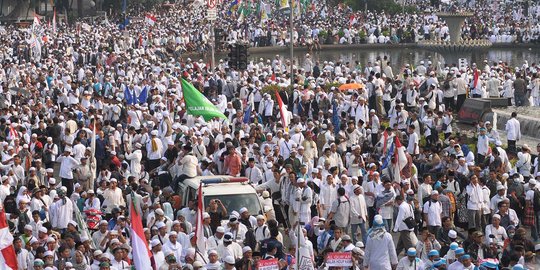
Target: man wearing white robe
[[135, 158], [302, 202], [380, 253], [358, 213], [63, 212], [173, 245]]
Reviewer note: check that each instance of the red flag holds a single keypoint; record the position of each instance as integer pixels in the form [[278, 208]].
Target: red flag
[[8, 257], [475, 76], [273, 78], [282, 110], [199, 232], [398, 145]]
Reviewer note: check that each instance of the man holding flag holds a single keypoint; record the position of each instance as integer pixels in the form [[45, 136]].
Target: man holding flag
[[395, 160]]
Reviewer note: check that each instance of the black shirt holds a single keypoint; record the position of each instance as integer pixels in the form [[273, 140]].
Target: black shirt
[[215, 220]]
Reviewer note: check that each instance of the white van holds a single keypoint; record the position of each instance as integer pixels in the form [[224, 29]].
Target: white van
[[233, 192]]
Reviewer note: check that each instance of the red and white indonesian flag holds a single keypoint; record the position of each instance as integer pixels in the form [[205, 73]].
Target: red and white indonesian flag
[[150, 19], [400, 158], [199, 232], [141, 253], [36, 20], [36, 24], [283, 112], [54, 22], [8, 258]]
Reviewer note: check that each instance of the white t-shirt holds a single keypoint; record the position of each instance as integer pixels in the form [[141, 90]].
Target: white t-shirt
[[433, 211], [412, 147]]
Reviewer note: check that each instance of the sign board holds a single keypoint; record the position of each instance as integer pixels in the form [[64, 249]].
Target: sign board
[[463, 64], [211, 14], [339, 259], [303, 261], [211, 4], [271, 264]]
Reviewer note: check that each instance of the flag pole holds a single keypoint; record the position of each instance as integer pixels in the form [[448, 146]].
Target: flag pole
[[213, 45], [291, 33], [299, 231]]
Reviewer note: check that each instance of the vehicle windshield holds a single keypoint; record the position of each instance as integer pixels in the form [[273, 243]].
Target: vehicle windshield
[[234, 202]]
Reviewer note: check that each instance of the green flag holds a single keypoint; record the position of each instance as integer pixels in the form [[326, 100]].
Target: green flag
[[197, 104], [258, 8]]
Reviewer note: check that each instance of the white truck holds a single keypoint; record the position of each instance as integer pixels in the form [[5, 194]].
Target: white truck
[[233, 192]]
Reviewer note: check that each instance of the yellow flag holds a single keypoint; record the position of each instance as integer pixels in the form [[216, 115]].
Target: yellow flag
[[284, 4]]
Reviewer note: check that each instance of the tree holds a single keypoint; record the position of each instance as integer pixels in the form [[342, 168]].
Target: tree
[[389, 6]]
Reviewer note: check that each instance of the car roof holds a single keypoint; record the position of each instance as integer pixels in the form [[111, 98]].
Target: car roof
[[226, 188]]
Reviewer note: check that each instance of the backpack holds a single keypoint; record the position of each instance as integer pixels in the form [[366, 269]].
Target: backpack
[[536, 201], [237, 104], [394, 92], [250, 239]]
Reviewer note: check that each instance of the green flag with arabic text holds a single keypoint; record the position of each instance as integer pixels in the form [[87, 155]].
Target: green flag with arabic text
[[197, 104]]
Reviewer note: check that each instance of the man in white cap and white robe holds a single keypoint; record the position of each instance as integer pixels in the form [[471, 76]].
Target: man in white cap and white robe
[[229, 248], [157, 252], [302, 202], [215, 240], [63, 210], [135, 159], [173, 245]]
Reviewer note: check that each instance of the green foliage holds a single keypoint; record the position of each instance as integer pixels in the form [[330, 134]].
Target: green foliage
[[422, 142], [513, 161], [116, 5], [362, 34], [329, 86], [472, 147], [272, 88], [149, 4], [389, 6], [323, 34]]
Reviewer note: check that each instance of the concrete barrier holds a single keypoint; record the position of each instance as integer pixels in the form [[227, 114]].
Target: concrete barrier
[[499, 102], [530, 125]]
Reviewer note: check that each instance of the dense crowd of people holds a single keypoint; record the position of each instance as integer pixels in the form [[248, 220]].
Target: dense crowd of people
[[265, 24], [364, 157]]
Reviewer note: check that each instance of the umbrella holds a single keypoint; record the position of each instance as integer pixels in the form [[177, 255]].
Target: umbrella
[[349, 86]]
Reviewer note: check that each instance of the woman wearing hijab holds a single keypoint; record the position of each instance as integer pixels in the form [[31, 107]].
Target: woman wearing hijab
[[380, 253], [23, 194], [79, 262]]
